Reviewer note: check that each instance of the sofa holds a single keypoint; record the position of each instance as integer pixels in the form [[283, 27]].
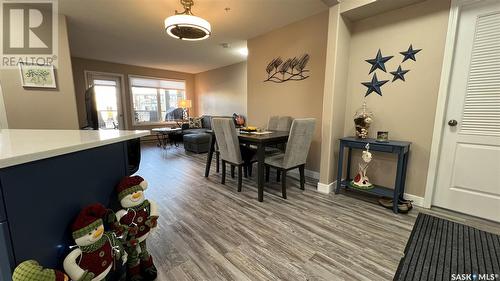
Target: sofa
[[197, 140]]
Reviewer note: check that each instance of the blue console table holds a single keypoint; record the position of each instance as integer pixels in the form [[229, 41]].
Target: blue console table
[[401, 148]]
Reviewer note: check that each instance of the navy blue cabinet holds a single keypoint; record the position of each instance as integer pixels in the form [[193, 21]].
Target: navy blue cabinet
[[44, 197], [6, 257], [3, 217]]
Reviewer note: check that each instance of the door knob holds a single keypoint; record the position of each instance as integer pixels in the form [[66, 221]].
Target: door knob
[[452, 123]]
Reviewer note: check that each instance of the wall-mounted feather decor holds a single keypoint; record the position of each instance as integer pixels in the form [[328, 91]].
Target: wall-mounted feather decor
[[279, 71]]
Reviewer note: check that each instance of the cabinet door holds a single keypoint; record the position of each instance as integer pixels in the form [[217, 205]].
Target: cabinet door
[[5, 251], [3, 217]]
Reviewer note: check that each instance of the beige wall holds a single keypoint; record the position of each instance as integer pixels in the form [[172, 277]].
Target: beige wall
[[42, 109], [222, 91], [80, 65], [294, 98], [406, 109]]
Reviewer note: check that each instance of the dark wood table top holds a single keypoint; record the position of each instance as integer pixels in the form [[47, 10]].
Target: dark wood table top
[[275, 136]]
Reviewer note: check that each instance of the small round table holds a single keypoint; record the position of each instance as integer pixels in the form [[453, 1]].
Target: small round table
[[165, 134]]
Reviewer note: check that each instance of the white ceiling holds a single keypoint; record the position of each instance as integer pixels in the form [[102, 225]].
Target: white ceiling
[[132, 31]]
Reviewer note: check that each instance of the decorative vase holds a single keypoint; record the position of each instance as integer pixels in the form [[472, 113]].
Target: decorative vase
[[362, 120]]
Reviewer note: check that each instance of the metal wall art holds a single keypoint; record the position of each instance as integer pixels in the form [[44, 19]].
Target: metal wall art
[[410, 53], [379, 63], [292, 69]]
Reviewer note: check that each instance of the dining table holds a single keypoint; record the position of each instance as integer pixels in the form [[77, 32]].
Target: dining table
[[260, 140]]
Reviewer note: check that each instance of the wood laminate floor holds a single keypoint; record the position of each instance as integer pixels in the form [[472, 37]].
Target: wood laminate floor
[[209, 231]]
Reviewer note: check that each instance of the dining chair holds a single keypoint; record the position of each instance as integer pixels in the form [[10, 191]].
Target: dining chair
[[284, 123], [295, 156], [229, 148], [272, 124]]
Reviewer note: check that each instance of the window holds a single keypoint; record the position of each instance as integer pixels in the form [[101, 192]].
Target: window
[[154, 99]]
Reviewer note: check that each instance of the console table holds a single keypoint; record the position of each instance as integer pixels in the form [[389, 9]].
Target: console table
[[401, 148]]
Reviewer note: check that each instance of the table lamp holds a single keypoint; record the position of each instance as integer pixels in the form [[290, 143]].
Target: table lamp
[[185, 105]]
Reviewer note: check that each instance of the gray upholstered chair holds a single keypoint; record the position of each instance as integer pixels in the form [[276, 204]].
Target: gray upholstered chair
[[295, 156], [284, 123], [272, 124], [229, 147]]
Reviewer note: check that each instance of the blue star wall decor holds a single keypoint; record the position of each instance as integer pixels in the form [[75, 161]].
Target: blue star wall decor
[[410, 53], [374, 85], [399, 74], [378, 62]]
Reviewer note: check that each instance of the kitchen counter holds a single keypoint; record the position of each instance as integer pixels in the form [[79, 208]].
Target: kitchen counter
[[47, 177], [23, 146]]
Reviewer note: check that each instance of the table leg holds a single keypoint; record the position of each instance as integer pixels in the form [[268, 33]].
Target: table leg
[[210, 155], [165, 141], [403, 176], [159, 140], [339, 168], [398, 182], [175, 140], [261, 168]]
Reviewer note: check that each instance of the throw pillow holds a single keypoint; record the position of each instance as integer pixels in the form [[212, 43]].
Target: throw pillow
[[195, 122]]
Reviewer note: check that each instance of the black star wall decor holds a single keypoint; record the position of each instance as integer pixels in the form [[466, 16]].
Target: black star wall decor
[[410, 53], [378, 62], [374, 85], [399, 74]]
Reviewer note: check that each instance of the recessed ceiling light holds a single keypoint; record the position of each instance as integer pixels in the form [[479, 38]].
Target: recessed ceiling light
[[186, 26]]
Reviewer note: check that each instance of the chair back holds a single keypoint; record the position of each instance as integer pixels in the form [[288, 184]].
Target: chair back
[[227, 139], [284, 123], [299, 141], [273, 123]]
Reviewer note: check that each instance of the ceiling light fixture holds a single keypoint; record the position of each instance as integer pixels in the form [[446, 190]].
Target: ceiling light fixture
[[186, 26]]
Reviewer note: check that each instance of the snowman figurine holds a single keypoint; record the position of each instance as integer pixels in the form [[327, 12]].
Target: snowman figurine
[[140, 217], [96, 251]]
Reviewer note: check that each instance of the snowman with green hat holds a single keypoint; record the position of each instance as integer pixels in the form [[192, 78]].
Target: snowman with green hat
[[139, 216], [97, 251]]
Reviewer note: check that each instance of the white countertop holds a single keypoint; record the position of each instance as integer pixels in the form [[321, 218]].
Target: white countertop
[[23, 146]]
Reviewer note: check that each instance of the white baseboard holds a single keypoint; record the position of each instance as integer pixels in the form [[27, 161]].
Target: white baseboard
[[326, 188], [308, 173], [417, 200]]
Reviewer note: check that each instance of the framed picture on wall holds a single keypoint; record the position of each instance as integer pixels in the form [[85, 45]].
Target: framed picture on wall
[[37, 76]]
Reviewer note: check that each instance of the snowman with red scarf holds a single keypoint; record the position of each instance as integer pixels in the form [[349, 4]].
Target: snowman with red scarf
[[139, 216], [97, 250]]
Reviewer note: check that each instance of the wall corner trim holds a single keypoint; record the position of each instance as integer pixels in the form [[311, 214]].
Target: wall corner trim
[[326, 188], [417, 200]]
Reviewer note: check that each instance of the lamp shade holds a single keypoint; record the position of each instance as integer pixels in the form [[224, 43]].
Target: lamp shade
[[184, 104]]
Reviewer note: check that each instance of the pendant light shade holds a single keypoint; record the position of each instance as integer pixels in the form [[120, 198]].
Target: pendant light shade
[[186, 26]]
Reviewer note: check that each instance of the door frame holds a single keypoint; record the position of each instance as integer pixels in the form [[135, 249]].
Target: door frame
[[443, 95], [123, 101]]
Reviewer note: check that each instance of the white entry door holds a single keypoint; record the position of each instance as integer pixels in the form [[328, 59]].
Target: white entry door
[[469, 164]]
